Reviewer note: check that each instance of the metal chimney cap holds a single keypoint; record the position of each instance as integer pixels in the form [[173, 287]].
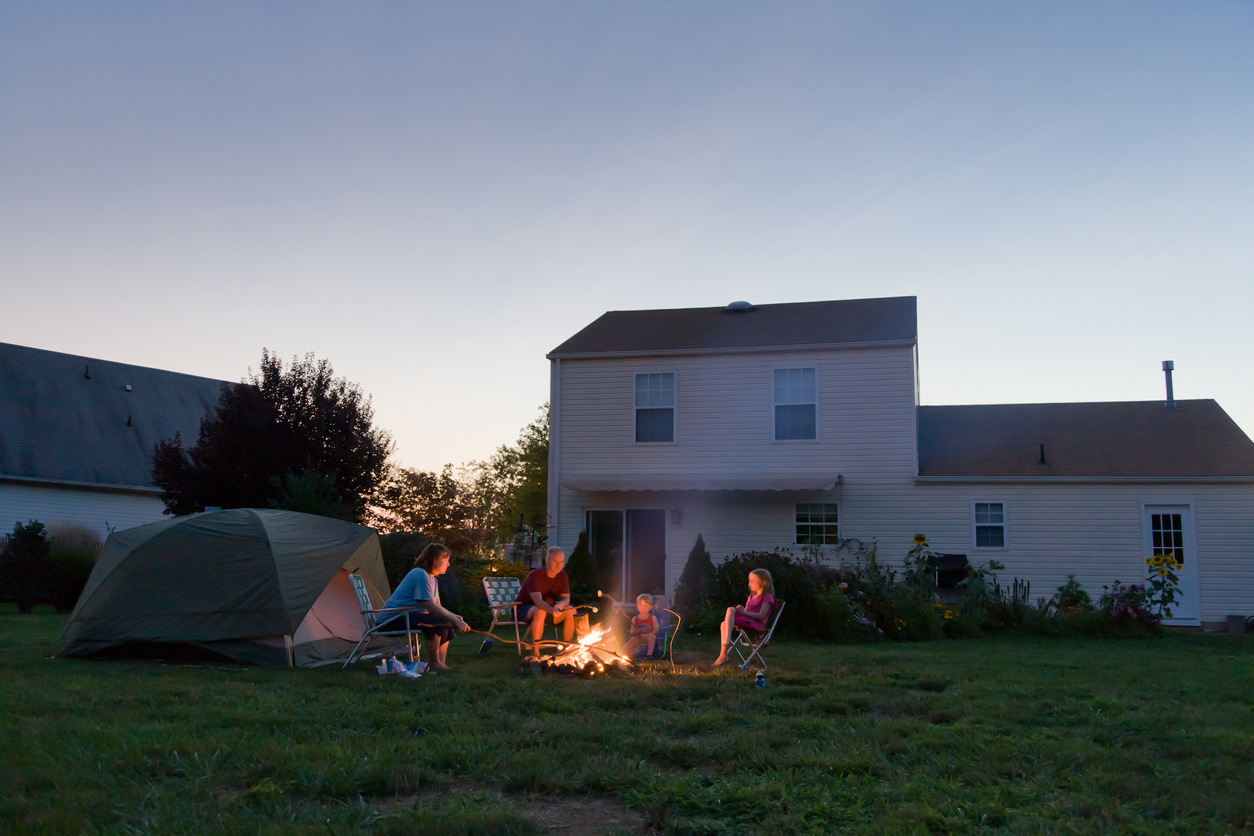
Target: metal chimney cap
[[1169, 365], [739, 306]]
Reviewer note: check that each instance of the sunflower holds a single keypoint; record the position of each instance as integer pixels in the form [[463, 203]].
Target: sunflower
[[920, 539]]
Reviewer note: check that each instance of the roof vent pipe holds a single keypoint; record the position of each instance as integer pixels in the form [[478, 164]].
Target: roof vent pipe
[[87, 372], [1168, 367], [737, 307]]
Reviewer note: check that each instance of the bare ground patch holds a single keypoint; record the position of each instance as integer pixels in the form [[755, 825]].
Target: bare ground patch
[[581, 814]]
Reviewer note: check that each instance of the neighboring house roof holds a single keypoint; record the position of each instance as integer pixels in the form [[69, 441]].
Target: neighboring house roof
[[56, 425], [692, 330], [1121, 440]]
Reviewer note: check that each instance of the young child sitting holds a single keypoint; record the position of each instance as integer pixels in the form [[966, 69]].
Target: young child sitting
[[643, 629], [753, 615]]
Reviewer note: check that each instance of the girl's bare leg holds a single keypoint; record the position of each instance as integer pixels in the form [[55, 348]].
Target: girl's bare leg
[[444, 654], [651, 643], [725, 630]]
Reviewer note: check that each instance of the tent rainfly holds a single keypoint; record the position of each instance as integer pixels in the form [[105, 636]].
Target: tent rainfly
[[248, 585]]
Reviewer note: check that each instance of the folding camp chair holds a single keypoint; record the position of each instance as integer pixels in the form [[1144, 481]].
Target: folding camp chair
[[370, 615], [744, 640], [665, 626], [503, 601]]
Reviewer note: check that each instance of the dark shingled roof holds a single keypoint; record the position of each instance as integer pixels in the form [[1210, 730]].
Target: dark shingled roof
[[58, 426], [702, 329], [1121, 439]]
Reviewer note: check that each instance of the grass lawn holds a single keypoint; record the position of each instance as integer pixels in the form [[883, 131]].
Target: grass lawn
[[1005, 735]]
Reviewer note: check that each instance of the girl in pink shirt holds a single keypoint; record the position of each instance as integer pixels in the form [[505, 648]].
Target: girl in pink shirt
[[753, 615]]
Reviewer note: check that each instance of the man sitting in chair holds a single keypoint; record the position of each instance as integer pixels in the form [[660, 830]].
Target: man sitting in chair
[[545, 593]]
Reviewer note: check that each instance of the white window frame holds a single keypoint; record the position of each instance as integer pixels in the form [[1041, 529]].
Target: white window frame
[[1189, 590], [674, 407], [817, 421], [839, 523], [1005, 525]]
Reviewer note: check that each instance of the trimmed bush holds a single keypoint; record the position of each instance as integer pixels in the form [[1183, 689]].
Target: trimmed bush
[[797, 583]]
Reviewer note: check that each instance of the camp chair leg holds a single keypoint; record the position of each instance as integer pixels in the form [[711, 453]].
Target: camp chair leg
[[353, 655], [744, 642]]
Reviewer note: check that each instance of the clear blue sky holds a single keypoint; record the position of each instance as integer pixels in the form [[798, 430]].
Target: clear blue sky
[[434, 195]]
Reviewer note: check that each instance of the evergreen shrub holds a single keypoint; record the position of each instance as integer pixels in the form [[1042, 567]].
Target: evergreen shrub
[[25, 564], [696, 581]]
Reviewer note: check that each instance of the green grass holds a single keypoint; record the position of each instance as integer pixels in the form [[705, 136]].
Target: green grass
[[1001, 735]]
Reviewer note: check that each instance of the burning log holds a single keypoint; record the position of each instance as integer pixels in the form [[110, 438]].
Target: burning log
[[587, 657]]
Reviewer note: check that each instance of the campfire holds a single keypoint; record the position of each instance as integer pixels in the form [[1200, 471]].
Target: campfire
[[590, 656]]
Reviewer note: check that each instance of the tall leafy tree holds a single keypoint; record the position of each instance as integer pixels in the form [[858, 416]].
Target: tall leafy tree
[[514, 483], [439, 505], [478, 504], [279, 422]]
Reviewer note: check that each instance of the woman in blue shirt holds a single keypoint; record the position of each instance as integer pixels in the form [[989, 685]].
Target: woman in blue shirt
[[419, 593]]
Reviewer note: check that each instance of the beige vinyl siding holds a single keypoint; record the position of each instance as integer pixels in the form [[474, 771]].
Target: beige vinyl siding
[[724, 415], [867, 434], [1095, 532], [1091, 531], [98, 510], [724, 424]]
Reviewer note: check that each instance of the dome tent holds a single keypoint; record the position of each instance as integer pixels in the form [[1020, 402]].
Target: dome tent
[[238, 585]]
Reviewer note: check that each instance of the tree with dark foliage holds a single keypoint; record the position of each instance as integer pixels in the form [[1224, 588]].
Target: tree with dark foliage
[[697, 579], [437, 504], [275, 437], [24, 560]]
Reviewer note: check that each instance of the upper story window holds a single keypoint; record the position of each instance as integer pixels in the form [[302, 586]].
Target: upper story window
[[990, 524], [655, 407], [796, 405]]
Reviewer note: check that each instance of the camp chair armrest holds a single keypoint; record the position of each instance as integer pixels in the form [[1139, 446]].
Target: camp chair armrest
[[508, 606]]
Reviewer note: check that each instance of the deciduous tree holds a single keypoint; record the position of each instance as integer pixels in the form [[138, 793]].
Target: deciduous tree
[[280, 423]]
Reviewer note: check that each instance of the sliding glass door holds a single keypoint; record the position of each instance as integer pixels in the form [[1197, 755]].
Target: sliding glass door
[[629, 550]]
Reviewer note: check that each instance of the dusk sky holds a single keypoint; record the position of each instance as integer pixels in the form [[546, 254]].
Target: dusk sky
[[433, 195]]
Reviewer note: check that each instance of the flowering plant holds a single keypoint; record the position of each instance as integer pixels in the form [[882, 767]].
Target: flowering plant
[[1163, 581], [1127, 603], [918, 572], [1146, 602]]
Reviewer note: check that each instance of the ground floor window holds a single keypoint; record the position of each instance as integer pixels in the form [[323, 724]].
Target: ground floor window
[[990, 524], [1168, 533], [817, 524]]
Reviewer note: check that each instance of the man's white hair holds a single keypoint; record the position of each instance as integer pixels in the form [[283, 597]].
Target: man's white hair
[[555, 550]]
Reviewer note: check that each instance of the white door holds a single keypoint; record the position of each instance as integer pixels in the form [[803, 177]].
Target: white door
[[1168, 529]]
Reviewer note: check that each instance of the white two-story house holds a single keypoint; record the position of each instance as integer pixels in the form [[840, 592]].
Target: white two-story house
[[794, 425]]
